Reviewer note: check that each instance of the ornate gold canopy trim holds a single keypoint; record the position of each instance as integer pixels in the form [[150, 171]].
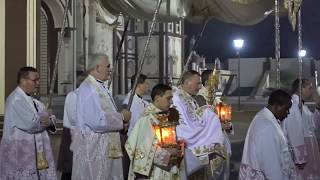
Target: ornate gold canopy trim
[[293, 7]]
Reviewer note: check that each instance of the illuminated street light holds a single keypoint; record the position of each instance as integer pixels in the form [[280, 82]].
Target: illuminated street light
[[302, 53], [238, 44]]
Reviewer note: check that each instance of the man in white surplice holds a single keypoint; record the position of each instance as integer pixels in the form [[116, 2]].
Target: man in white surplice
[[137, 108], [201, 129], [64, 164], [299, 127], [138, 104], [25, 150], [266, 153], [96, 145]]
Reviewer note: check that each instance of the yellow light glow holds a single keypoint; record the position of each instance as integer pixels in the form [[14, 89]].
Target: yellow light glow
[[166, 135], [224, 112]]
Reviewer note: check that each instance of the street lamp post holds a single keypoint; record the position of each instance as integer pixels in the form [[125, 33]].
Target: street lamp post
[[238, 44], [302, 53]]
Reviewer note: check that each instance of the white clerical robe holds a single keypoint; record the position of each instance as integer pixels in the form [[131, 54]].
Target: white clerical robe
[[96, 145], [199, 126], [144, 152], [70, 110], [203, 92], [137, 108], [266, 152], [22, 138], [294, 130], [65, 159], [310, 152]]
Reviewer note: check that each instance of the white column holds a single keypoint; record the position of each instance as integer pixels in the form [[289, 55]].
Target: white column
[[31, 33], [2, 55]]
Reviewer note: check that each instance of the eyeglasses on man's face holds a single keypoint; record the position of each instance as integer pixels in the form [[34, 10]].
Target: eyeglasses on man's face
[[34, 80]]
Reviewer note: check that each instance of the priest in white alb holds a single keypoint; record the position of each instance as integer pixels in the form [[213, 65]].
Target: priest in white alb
[[138, 103], [266, 154], [300, 128], [96, 144], [25, 150], [137, 108], [200, 128]]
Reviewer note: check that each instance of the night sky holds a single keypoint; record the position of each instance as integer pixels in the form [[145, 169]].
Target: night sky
[[259, 39]]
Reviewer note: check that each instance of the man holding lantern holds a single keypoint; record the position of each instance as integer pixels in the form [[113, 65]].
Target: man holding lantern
[[201, 129], [152, 145]]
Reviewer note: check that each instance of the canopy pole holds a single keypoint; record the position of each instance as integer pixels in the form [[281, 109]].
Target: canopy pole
[[300, 57], [277, 41], [115, 66], [156, 12], [195, 45], [54, 74], [192, 51]]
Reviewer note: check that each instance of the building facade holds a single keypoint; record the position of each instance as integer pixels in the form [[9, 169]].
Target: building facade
[[34, 37]]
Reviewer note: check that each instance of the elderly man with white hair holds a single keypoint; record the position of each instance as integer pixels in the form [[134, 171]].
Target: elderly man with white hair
[[96, 146]]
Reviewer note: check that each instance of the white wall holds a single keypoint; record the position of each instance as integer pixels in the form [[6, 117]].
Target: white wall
[[250, 70]]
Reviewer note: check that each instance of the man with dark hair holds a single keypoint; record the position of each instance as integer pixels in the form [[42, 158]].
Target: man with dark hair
[[299, 128], [25, 150], [266, 154], [148, 159], [205, 76], [137, 108], [138, 103], [141, 79], [201, 129]]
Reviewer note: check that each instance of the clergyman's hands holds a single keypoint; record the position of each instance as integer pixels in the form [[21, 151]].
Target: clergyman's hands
[[45, 120], [126, 115]]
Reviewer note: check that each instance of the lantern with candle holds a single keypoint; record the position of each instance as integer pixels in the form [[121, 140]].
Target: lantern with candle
[[165, 130], [224, 112]]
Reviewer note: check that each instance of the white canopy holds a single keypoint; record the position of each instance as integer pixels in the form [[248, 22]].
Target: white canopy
[[242, 12]]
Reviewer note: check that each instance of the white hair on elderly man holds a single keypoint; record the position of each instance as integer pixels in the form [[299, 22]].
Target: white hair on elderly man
[[95, 59]]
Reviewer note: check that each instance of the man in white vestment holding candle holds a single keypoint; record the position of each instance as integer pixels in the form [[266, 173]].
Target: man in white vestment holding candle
[[25, 150], [149, 160], [200, 128], [96, 144]]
